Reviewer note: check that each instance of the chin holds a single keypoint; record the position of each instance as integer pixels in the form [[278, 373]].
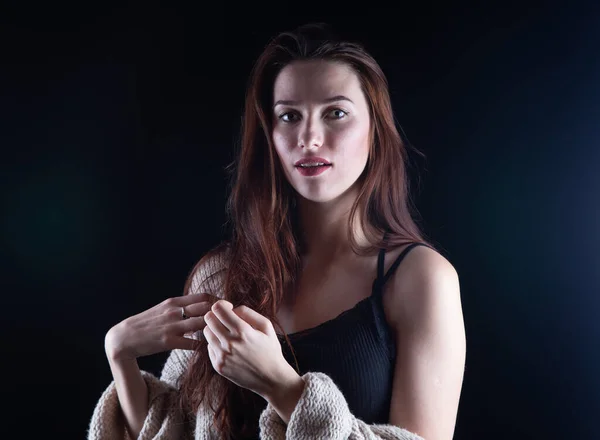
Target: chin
[[323, 193], [322, 197]]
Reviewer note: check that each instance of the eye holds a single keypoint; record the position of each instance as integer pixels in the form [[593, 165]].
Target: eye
[[338, 116], [337, 113], [285, 117]]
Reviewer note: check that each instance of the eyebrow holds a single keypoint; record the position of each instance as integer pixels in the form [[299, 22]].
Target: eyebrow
[[332, 99]]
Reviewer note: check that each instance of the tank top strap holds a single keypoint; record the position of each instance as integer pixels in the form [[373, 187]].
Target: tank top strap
[[381, 278]]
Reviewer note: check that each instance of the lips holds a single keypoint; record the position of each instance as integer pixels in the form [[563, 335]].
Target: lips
[[312, 160], [313, 171]]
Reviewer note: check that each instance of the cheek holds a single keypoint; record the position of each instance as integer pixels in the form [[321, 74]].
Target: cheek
[[352, 143], [283, 151], [282, 143]]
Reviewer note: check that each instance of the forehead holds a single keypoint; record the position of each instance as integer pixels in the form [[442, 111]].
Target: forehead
[[315, 80]]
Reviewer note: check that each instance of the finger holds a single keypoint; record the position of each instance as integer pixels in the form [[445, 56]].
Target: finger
[[188, 326], [197, 335], [184, 300], [254, 318], [210, 337], [186, 343], [171, 314], [212, 356], [217, 327], [224, 311], [197, 309]]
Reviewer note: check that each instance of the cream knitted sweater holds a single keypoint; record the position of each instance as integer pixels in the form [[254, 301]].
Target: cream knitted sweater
[[321, 413]]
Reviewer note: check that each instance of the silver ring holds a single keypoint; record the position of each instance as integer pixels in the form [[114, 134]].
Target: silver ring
[[183, 315]]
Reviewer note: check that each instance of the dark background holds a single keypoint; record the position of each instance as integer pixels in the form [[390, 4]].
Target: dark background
[[118, 119]]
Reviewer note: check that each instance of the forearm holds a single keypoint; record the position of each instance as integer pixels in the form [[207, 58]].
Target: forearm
[[131, 390], [285, 398], [322, 412]]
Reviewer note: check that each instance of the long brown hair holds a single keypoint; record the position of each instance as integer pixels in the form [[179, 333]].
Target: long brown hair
[[261, 261]]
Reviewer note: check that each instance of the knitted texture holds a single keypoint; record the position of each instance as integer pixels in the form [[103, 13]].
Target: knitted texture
[[164, 420], [322, 413]]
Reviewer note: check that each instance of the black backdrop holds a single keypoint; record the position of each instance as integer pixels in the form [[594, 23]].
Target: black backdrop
[[117, 121]]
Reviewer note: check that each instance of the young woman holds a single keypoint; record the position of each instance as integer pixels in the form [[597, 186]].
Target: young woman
[[303, 325]]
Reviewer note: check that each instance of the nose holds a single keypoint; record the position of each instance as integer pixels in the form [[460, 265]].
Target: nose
[[310, 135]]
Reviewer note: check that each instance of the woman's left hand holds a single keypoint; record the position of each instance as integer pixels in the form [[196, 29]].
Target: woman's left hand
[[243, 347]]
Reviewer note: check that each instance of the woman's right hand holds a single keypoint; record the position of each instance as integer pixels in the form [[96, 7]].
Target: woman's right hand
[[160, 328]]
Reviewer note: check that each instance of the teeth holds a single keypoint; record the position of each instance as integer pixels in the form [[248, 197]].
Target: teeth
[[312, 165]]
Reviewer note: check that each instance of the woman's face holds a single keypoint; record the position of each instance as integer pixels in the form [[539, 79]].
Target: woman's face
[[320, 110]]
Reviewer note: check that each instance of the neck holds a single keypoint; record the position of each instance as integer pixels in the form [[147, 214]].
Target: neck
[[324, 228]]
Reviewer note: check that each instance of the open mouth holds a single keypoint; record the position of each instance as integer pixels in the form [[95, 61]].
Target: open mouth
[[312, 170]]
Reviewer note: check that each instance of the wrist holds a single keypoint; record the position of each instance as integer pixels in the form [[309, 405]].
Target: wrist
[[291, 386], [285, 398], [113, 346]]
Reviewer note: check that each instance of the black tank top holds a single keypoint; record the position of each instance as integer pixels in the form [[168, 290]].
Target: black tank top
[[356, 350]]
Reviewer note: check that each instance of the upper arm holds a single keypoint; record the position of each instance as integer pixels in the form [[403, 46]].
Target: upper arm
[[431, 346]]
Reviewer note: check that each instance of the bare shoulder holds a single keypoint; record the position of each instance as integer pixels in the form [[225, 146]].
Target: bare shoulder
[[423, 262], [424, 279]]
